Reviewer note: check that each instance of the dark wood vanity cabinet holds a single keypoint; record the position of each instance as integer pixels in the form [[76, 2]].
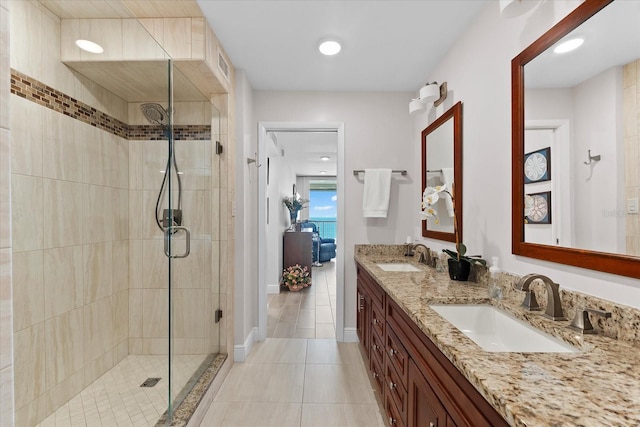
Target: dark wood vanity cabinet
[[418, 385]]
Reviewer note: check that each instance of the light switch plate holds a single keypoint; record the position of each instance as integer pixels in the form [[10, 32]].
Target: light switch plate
[[632, 205]]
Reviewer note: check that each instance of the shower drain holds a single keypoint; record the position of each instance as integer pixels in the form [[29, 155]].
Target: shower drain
[[150, 382]]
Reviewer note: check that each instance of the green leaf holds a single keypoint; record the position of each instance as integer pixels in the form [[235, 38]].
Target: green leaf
[[451, 253], [463, 249]]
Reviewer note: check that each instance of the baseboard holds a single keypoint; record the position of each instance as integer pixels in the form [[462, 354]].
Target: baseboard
[[350, 335], [273, 289], [240, 352]]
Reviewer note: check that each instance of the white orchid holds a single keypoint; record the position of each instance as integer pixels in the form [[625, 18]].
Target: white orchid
[[429, 197], [429, 212]]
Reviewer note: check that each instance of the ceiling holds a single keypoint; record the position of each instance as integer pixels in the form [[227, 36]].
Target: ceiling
[[601, 50], [386, 45], [303, 151]]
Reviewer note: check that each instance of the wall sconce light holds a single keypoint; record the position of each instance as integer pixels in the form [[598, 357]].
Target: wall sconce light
[[431, 92], [416, 105], [513, 8]]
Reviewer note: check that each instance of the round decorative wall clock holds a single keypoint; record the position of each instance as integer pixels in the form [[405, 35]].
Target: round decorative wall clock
[[535, 167], [539, 208]]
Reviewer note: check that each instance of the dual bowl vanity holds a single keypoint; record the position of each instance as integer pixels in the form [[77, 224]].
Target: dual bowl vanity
[[442, 353]]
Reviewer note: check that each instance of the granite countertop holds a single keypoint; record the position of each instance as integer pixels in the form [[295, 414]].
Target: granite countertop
[[599, 386]]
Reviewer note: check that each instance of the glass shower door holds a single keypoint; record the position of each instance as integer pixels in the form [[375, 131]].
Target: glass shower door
[[191, 219]]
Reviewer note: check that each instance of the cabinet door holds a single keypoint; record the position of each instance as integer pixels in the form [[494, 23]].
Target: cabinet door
[[425, 410], [362, 317]]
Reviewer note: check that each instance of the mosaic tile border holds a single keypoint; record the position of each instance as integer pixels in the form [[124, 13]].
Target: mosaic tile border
[[46, 96]]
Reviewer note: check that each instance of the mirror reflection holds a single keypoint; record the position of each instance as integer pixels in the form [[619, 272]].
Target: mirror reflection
[[581, 144], [441, 165]]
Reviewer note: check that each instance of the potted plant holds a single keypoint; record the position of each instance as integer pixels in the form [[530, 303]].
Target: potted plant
[[296, 277], [459, 263]]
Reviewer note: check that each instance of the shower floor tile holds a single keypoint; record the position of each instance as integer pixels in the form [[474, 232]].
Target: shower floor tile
[[116, 398]]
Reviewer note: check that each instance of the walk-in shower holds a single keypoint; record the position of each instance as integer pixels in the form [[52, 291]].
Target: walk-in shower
[[110, 325]]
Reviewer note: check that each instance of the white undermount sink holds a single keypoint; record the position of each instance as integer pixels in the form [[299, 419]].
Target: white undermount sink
[[397, 266], [495, 331]]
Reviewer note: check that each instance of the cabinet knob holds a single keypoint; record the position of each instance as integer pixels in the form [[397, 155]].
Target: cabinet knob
[[392, 352], [431, 424], [376, 347], [376, 375], [392, 421], [376, 321], [392, 385]]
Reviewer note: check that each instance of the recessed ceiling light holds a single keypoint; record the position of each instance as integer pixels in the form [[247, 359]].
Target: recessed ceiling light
[[324, 158], [568, 46], [329, 47], [89, 46]]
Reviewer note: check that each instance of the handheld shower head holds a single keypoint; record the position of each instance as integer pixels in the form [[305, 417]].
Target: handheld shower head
[[156, 114]]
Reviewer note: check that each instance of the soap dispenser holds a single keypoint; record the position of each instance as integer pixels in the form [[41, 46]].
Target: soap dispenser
[[495, 291]]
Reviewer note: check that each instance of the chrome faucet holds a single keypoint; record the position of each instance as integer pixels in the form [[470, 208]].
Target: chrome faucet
[[423, 254], [554, 305]]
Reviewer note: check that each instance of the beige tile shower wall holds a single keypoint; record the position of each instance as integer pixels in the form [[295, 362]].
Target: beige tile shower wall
[[6, 324], [193, 278], [632, 151], [69, 224], [70, 230]]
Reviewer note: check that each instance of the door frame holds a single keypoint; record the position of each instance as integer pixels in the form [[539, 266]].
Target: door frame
[[263, 129], [561, 153]]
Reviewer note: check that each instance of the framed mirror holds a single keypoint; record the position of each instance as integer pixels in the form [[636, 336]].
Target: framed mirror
[[442, 164], [575, 165]]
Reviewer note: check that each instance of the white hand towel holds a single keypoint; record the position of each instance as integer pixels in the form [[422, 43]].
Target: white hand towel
[[446, 176], [375, 199]]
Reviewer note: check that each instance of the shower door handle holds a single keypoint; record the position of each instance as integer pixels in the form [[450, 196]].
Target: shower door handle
[[167, 235]]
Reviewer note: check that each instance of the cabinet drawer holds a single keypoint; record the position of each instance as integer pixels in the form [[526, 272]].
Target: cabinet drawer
[[378, 374], [377, 347], [376, 292], [377, 320], [397, 356], [396, 391]]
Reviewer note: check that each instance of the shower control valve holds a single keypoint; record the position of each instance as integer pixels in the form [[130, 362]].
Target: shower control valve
[[169, 214]]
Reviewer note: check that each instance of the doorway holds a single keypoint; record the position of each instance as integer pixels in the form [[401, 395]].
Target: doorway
[[329, 278]]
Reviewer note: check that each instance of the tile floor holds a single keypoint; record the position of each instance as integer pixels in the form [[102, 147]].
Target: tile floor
[[297, 382], [309, 313], [116, 398]]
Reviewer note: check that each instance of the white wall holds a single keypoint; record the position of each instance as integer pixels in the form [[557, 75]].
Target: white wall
[[281, 183], [378, 133], [246, 251], [599, 187], [478, 72]]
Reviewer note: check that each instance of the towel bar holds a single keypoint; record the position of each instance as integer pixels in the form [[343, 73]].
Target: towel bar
[[359, 171]]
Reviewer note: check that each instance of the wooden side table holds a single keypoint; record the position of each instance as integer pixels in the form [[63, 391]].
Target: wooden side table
[[298, 249]]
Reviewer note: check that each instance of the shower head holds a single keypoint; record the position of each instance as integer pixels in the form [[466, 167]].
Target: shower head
[[156, 114]]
